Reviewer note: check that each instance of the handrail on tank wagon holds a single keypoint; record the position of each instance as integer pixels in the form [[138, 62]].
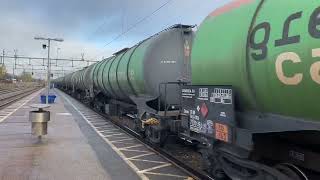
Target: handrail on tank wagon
[[166, 105]]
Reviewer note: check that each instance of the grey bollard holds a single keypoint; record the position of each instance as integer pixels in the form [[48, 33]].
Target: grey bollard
[[39, 120]]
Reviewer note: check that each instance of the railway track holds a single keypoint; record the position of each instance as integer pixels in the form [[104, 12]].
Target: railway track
[[172, 158], [8, 96], [196, 174]]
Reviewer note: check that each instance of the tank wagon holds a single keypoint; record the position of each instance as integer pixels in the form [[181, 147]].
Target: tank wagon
[[142, 81], [135, 74], [67, 83], [265, 54], [247, 97]]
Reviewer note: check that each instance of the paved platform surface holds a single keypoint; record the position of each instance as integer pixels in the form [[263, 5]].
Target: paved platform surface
[[63, 154], [114, 145], [80, 145]]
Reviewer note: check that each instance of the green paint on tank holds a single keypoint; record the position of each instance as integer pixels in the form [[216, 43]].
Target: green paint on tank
[[122, 72], [218, 53], [112, 77], [270, 74], [122, 75], [136, 68], [105, 77], [101, 74], [95, 74], [98, 75], [87, 77]]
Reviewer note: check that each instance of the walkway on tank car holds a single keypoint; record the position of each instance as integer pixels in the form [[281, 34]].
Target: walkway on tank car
[[79, 145]]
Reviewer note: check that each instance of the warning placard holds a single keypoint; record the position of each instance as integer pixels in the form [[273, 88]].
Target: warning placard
[[210, 110]]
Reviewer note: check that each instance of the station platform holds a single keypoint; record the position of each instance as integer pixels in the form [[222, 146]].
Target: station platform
[[80, 145]]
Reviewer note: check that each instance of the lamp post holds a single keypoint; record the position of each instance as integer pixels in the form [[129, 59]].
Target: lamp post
[[49, 63]]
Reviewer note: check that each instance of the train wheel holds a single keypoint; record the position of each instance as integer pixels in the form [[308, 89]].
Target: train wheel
[[151, 135], [292, 171], [156, 136]]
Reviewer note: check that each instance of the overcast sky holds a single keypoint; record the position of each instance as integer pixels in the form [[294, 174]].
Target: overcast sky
[[88, 25]]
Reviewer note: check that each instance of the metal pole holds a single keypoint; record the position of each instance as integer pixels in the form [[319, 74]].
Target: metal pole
[[15, 59], [3, 57], [3, 62], [57, 56], [48, 76]]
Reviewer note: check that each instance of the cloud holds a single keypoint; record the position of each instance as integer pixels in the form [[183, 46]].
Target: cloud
[[87, 25]]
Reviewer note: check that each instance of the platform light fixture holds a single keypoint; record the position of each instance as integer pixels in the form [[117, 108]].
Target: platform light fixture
[[44, 46]]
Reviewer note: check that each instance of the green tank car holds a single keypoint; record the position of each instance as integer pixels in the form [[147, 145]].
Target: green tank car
[[244, 91], [275, 68], [267, 53]]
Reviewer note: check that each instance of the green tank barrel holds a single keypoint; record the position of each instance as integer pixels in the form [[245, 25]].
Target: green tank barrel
[[269, 51], [139, 70], [88, 77]]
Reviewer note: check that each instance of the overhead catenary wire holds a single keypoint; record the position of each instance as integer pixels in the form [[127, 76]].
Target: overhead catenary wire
[[19, 63], [135, 25]]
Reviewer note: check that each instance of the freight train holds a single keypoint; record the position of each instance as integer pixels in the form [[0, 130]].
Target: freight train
[[244, 88]]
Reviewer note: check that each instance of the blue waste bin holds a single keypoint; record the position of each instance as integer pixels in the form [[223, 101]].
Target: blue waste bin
[[43, 99], [50, 99]]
